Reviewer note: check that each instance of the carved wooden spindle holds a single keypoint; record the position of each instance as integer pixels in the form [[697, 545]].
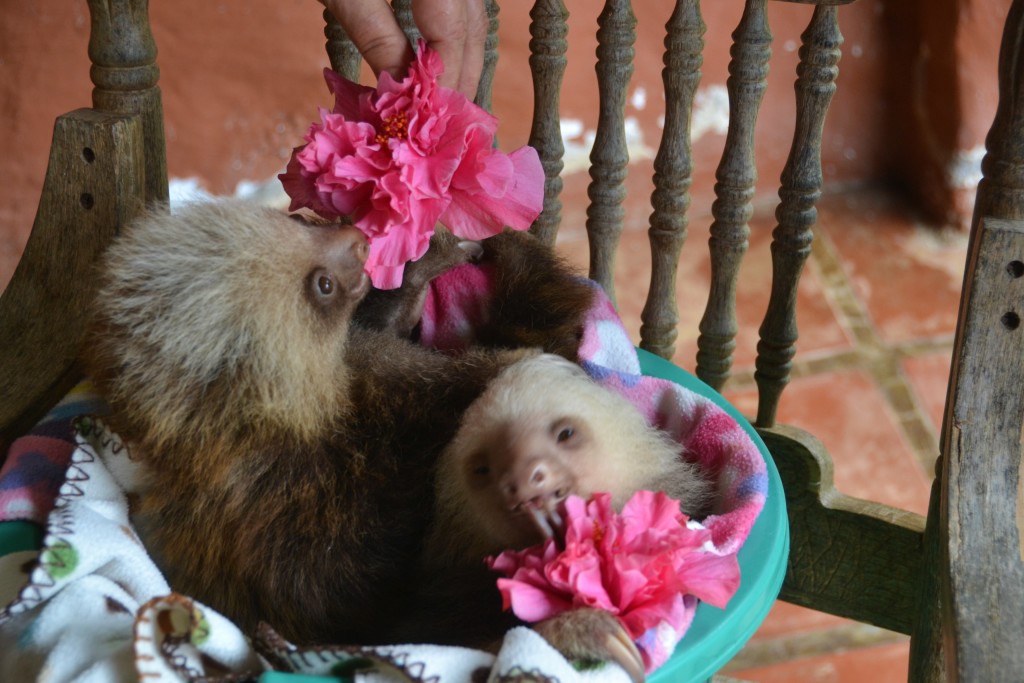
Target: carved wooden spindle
[[1001, 190], [608, 159], [796, 213], [341, 51], [548, 45], [673, 169], [125, 74], [981, 523], [403, 12], [736, 176], [486, 87]]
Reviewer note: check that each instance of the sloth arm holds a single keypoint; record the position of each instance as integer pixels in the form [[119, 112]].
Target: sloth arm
[[539, 301], [414, 397]]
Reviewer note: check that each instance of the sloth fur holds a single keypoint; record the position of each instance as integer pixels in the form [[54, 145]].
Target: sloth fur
[[290, 453]]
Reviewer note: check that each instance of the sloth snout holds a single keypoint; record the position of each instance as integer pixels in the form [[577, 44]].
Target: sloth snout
[[348, 249], [351, 246], [536, 481]]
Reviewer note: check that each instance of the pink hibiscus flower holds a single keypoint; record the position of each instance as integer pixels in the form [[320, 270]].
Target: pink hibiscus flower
[[638, 565], [401, 157]]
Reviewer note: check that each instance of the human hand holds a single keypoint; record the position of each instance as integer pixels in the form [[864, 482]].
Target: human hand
[[457, 29]]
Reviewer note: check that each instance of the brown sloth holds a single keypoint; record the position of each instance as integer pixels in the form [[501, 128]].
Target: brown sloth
[[290, 451], [536, 298]]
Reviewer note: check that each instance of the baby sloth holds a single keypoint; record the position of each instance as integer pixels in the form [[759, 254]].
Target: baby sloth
[[289, 452], [541, 431]]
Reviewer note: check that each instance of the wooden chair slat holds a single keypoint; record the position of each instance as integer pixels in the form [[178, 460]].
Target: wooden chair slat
[[341, 51], [673, 174], [548, 30], [486, 87], [94, 185], [125, 74], [927, 650], [734, 189], [980, 515], [403, 12], [982, 465], [609, 157], [1001, 190], [796, 213], [848, 557]]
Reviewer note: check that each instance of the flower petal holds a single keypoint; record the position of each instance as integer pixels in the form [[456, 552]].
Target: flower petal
[[474, 214], [712, 578], [530, 603], [348, 96]]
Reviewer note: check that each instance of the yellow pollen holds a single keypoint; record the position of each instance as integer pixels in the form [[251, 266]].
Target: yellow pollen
[[598, 532], [394, 127]]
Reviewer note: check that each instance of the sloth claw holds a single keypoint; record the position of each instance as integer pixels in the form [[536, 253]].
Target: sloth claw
[[593, 635], [623, 651], [474, 250]]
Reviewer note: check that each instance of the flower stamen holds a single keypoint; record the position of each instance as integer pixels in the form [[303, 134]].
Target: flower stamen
[[396, 126]]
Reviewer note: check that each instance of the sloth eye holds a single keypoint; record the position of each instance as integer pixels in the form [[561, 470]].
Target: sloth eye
[[569, 432], [322, 284], [481, 470]]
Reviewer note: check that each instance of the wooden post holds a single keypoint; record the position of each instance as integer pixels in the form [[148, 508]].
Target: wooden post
[[736, 177], [93, 186], [403, 12], [673, 173], [125, 74], [981, 523], [609, 157], [796, 213], [548, 29], [486, 87], [341, 51]]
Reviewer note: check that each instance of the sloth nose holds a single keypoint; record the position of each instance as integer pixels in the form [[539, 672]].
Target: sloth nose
[[351, 244], [360, 247], [346, 249], [534, 481]]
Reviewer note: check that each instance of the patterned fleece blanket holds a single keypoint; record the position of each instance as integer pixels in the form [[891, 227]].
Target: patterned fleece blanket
[[90, 605]]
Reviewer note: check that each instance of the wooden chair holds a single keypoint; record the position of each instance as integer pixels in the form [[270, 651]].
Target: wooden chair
[[953, 581]]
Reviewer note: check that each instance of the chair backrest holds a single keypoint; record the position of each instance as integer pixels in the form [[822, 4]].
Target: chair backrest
[[956, 583]]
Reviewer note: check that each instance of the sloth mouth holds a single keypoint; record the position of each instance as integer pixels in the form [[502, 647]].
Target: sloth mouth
[[546, 516], [361, 287]]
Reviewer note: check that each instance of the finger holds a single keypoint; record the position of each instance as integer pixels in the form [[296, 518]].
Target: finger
[[373, 28], [443, 24]]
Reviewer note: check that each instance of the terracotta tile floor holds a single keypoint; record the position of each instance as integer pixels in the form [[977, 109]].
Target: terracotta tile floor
[[877, 310]]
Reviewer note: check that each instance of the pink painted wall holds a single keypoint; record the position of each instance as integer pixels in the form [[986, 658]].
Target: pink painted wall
[[945, 94], [241, 81]]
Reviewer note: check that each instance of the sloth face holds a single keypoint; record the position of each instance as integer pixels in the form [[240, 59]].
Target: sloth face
[[227, 308]]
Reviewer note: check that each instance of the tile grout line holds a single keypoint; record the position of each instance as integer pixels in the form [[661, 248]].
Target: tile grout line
[[783, 649], [869, 353], [880, 360]]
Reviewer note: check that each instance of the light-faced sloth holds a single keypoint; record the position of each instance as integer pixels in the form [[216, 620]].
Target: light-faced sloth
[[542, 430], [290, 452]]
